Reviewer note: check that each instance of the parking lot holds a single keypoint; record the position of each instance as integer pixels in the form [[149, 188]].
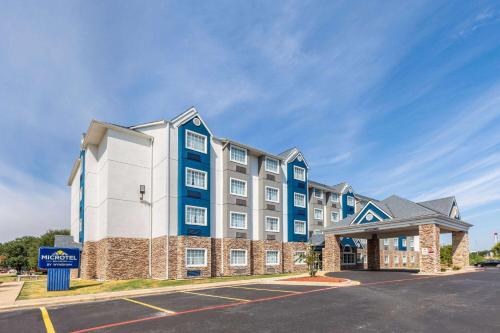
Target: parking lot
[[385, 301]]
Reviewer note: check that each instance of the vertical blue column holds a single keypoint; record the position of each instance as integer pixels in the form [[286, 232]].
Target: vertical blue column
[[58, 279]]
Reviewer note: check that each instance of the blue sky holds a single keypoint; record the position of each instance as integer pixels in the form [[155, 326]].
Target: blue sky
[[395, 98]]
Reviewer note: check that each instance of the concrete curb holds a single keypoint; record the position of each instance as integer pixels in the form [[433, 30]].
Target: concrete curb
[[75, 299]]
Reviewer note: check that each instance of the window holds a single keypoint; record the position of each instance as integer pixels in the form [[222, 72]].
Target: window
[[395, 243], [238, 257], [412, 259], [272, 257], [196, 215], [299, 173], [238, 187], [272, 224], [196, 257], [334, 197], [299, 200], [318, 193], [404, 260], [386, 241], [272, 194], [386, 260], [359, 258], [412, 243], [238, 220], [334, 217], [299, 257], [238, 155], [299, 227], [350, 201], [196, 141], [404, 242], [396, 260], [318, 214], [196, 178], [348, 259], [272, 165]]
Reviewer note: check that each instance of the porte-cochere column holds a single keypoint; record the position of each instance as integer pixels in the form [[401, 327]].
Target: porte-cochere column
[[430, 261], [331, 253], [373, 253], [460, 248]]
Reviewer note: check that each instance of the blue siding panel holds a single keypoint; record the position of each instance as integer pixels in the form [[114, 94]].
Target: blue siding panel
[[188, 195], [296, 213], [374, 209]]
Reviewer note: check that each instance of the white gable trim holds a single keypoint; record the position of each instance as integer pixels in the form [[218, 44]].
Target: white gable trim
[[187, 116], [370, 202], [293, 155]]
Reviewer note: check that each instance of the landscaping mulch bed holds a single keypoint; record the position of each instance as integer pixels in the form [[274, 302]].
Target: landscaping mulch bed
[[316, 279]]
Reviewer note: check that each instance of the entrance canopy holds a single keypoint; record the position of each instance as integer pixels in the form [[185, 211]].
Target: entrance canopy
[[396, 216]]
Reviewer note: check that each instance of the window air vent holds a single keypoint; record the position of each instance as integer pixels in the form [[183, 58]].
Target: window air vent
[[271, 207], [193, 157], [241, 169], [193, 232], [270, 177], [271, 237], [320, 202], [241, 235], [301, 185], [194, 194], [191, 273], [241, 202]]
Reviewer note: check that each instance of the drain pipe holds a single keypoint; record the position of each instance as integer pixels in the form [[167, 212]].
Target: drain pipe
[[151, 214], [167, 241]]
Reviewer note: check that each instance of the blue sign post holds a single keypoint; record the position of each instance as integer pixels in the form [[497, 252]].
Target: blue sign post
[[58, 262]]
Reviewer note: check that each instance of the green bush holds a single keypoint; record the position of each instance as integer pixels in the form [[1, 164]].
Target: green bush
[[446, 255], [456, 268]]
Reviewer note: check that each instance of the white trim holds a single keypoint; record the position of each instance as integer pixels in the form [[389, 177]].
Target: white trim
[[297, 167], [265, 223], [195, 133], [196, 248], [331, 197], [369, 211], [187, 116], [314, 213], [265, 165], [238, 265], [231, 146], [305, 227], [241, 180], [331, 217], [197, 207], [353, 200], [197, 170], [265, 194], [297, 193], [320, 191], [230, 220], [279, 259], [370, 202], [294, 255]]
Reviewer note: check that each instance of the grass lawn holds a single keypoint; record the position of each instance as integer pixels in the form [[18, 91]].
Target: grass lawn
[[7, 278], [38, 289]]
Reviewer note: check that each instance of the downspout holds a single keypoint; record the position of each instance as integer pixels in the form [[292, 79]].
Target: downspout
[[167, 241], [151, 214]]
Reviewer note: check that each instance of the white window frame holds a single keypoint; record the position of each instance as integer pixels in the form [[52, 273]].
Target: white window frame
[[302, 195], [295, 255], [231, 220], [277, 171], [274, 188], [294, 174], [395, 244], [204, 151], [412, 243], [197, 207], [273, 264], [386, 259], [403, 243], [295, 229], [265, 223], [231, 256], [196, 170], [334, 219], [240, 180], [404, 260], [412, 259], [350, 201], [386, 241], [315, 190], [196, 248], [396, 260], [231, 155], [334, 195], [322, 216]]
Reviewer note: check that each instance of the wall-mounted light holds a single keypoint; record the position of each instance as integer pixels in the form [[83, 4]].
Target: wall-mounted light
[[142, 190]]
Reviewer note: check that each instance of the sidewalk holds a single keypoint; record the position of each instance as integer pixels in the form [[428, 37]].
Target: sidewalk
[[9, 292], [32, 303]]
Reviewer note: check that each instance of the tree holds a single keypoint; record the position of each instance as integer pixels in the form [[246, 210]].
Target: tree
[[21, 253], [47, 239], [496, 250], [446, 255], [311, 258]]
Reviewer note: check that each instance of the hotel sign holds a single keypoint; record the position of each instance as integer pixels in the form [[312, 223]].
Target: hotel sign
[[55, 257]]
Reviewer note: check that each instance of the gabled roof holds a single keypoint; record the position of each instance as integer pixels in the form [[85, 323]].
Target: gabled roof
[[443, 205], [403, 208], [249, 148], [97, 129], [290, 154], [187, 116]]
